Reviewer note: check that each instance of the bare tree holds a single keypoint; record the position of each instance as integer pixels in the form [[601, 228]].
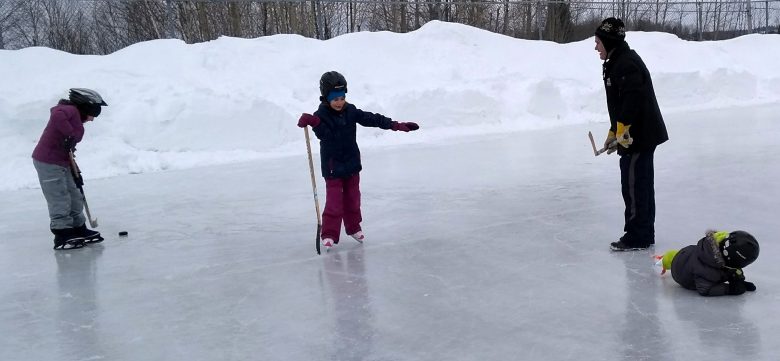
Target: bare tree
[[558, 26], [8, 10], [104, 26], [28, 29]]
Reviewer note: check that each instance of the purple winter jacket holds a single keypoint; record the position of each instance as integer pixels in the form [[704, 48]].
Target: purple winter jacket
[[65, 121]]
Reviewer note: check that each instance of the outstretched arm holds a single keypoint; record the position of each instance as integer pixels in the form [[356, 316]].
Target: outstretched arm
[[368, 119]]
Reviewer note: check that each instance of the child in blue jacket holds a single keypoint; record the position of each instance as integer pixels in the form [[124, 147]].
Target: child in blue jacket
[[335, 125]]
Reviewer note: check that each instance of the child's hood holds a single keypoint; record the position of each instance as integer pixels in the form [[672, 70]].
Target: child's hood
[[710, 249]]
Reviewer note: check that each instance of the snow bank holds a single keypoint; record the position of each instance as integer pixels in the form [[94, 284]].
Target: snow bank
[[173, 105]]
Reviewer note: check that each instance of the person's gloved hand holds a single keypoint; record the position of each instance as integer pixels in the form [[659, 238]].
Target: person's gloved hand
[[405, 127], [736, 287], [737, 284], [69, 144], [623, 136], [749, 286], [308, 119], [737, 275]]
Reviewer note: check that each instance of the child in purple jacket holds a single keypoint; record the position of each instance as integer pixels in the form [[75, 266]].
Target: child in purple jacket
[[335, 124], [51, 159]]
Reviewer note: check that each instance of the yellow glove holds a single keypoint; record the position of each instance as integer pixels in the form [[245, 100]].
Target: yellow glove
[[623, 136]]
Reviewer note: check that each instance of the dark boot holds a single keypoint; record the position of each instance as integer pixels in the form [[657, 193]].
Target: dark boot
[[89, 235], [621, 246], [67, 238]]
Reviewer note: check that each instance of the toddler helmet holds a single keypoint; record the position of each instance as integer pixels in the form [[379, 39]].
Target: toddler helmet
[[87, 100], [739, 249], [331, 81]]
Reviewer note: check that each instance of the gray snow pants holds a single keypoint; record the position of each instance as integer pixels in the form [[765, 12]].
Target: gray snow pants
[[65, 201]]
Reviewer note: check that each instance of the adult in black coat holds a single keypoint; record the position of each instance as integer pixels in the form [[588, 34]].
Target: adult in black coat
[[636, 128]]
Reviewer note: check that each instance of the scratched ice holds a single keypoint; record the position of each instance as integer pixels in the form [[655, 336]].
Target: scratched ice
[[478, 248]]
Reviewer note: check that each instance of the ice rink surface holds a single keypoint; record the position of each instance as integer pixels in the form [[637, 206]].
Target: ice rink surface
[[480, 248]]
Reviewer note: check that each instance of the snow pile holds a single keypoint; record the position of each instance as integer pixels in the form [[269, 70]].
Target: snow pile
[[173, 105]]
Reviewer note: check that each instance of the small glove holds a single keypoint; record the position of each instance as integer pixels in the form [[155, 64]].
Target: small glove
[[623, 136], [308, 119], [737, 288], [69, 143], [736, 281], [610, 144], [405, 127], [749, 286], [737, 275]]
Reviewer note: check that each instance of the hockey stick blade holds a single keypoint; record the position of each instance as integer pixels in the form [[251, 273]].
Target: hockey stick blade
[[593, 143], [317, 238], [602, 150]]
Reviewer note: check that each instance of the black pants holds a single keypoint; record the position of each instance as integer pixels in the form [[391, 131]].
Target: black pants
[[636, 178]]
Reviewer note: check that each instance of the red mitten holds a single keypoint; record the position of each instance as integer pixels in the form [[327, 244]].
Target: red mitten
[[405, 127], [308, 119]]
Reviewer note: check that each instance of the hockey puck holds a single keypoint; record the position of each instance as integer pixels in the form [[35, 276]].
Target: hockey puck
[[123, 233]]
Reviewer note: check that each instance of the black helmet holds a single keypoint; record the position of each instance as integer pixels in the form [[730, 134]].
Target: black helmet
[[87, 100], [739, 249], [330, 81]]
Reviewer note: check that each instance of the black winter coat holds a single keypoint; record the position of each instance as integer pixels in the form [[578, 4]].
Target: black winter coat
[[337, 132], [701, 267], [631, 100]]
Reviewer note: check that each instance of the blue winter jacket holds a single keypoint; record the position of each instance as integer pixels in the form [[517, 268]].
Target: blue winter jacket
[[337, 132]]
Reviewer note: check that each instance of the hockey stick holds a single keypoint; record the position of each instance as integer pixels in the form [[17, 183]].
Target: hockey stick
[[602, 150], [76, 173], [314, 190]]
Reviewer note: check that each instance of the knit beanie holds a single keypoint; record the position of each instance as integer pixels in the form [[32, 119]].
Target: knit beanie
[[336, 93], [611, 32]]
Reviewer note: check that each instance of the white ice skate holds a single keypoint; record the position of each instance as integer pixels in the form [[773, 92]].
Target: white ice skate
[[358, 236], [327, 243]]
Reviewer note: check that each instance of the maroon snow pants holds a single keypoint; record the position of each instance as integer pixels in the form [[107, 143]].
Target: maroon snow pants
[[342, 201]]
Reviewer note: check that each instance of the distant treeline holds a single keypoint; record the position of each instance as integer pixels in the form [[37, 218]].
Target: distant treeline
[[104, 26]]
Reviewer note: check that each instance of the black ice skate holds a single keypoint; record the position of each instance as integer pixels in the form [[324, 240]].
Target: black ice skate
[[67, 238], [90, 236], [621, 246]]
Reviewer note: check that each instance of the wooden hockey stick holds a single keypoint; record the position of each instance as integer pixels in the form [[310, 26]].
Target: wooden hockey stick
[[314, 190], [602, 150], [76, 173]]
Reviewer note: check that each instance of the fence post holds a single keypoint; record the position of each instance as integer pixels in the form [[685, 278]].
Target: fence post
[[698, 19], [766, 14], [749, 17]]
